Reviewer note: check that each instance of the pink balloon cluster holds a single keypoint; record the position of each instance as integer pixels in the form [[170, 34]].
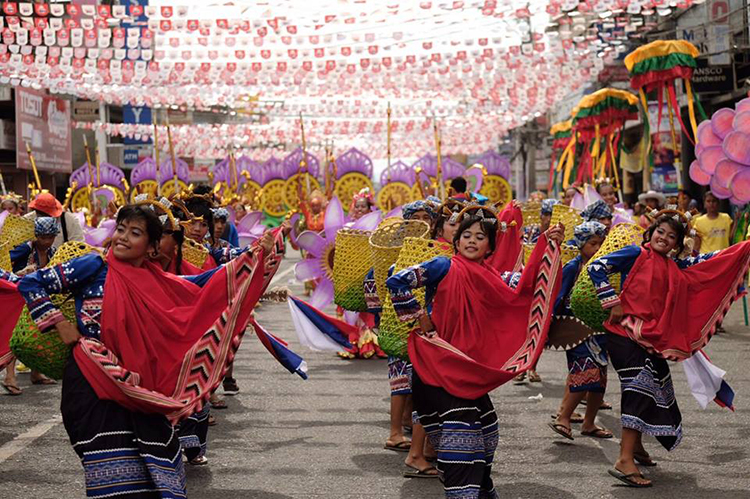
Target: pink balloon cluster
[[723, 153]]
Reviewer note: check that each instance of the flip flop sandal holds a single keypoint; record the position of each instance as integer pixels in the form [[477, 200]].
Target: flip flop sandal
[[644, 460], [417, 473], [212, 420], [560, 430], [627, 479], [43, 381], [575, 418], [606, 406], [598, 433], [12, 390], [403, 446], [219, 404], [199, 461]]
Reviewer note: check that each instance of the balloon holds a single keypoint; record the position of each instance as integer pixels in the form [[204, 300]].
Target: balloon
[[706, 136], [743, 105], [741, 122], [741, 186], [719, 191], [709, 158], [697, 175], [725, 172], [721, 121], [737, 147]]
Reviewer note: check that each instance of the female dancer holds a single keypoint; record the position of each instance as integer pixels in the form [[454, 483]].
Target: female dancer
[[133, 374], [587, 363], [447, 221], [481, 338], [688, 298]]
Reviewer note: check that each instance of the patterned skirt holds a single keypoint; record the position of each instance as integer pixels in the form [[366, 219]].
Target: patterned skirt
[[648, 401], [587, 365], [193, 433], [465, 435], [124, 454], [399, 376]]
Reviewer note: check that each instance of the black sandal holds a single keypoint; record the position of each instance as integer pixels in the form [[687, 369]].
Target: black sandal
[[627, 479], [561, 429]]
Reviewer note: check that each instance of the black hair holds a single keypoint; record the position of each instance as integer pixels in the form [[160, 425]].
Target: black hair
[[179, 237], [489, 229], [143, 213], [202, 190], [676, 225], [437, 226], [459, 185], [709, 193], [202, 208]]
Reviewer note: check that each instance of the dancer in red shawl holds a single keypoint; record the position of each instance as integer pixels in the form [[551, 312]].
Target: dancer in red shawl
[[687, 300], [148, 349], [484, 334]]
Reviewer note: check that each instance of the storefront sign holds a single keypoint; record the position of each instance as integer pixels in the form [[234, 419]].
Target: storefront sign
[[44, 122], [136, 115], [712, 79]]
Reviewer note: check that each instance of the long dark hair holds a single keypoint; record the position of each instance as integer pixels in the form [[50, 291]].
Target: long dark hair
[[489, 229], [179, 237], [145, 214], [676, 225], [443, 214]]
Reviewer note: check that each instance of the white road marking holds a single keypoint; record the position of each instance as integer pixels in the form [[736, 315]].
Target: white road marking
[[280, 275], [23, 440]]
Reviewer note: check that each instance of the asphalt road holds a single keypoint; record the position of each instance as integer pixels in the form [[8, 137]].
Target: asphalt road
[[283, 437]]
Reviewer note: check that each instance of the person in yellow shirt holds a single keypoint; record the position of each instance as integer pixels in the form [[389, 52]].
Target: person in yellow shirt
[[714, 228]]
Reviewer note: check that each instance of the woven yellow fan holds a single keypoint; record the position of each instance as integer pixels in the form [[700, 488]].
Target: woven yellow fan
[[351, 263], [5, 263], [386, 243], [16, 230], [194, 253], [570, 218]]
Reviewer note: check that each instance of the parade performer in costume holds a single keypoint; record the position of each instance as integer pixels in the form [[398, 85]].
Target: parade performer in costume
[[32, 255], [26, 258], [570, 193], [221, 224], [447, 221], [531, 233], [362, 204], [11, 203], [484, 333], [688, 299], [134, 374], [598, 211], [587, 362], [313, 211], [46, 205]]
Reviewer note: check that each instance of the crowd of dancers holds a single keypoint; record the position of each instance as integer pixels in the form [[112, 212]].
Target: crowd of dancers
[[154, 333]]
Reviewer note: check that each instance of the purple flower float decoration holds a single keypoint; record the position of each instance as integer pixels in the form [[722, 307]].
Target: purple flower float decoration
[[321, 248]]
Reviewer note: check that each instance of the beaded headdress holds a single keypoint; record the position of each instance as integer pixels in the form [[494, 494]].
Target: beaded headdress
[[166, 218]]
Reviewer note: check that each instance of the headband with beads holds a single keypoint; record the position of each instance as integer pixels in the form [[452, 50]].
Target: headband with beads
[[483, 213], [163, 204], [676, 214], [451, 210]]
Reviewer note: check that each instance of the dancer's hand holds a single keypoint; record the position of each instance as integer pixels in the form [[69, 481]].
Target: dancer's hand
[[68, 332], [426, 325], [556, 233], [286, 228], [27, 270], [615, 314], [266, 242]]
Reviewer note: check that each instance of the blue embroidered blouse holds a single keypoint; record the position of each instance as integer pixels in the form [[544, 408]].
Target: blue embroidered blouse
[[84, 278], [25, 254]]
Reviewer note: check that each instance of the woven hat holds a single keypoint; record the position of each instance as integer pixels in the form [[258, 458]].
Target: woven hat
[[47, 203], [653, 195]]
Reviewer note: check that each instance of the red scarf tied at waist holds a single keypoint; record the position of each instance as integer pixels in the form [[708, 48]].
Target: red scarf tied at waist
[[675, 312], [165, 342], [488, 332]]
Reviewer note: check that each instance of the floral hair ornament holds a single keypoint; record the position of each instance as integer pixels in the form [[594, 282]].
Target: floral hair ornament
[[483, 213], [362, 194], [163, 204], [220, 213], [12, 197]]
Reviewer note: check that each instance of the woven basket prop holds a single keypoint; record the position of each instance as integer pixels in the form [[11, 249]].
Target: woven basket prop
[[394, 334], [5, 263], [532, 213], [567, 252], [569, 217], [16, 230], [45, 352], [194, 253], [385, 245], [351, 263], [583, 299]]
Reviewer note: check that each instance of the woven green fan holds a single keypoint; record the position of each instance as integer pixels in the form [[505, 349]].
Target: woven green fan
[[583, 299], [46, 352], [393, 334]]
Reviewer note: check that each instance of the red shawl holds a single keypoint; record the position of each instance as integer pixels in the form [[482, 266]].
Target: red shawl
[[674, 312], [487, 332], [165, 342], [11, 303], [508, 254]]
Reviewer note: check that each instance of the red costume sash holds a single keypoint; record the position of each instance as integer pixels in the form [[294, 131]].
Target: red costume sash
[[673, 312], [508, 254], [488, 333], [11, 303], [165, 342]]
